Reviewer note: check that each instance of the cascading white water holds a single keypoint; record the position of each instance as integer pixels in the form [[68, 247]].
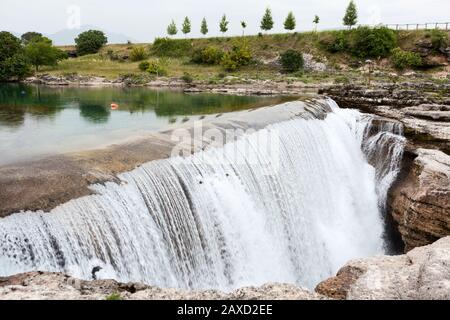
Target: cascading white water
[[206, 221]]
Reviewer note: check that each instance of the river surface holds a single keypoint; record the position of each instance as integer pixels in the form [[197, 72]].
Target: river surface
[[36, 121]]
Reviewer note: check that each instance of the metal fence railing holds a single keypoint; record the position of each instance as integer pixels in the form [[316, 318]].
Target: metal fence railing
[[420, 26]]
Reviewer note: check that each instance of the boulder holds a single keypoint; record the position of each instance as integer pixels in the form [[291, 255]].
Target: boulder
[[422, 273], [420, 201]]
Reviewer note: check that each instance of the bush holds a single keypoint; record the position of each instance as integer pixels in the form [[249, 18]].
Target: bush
[[165, 47], [207, 55], [342, 79], [372, 42], [138, 54], [228, 62], [144, 65], [335, 41], [114, 296], [157, 67], [240, 55], [113, 56], [136, 78], [291, 60], [405, 59], [187, 77], [438, 39], [90, 42]]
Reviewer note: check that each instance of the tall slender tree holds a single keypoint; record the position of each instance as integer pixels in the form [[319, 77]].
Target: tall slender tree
[[172, 29], [204, 27], [289, 23], [351, 15], [267, 20], [224, 24], [316, 22], [186, 27], [243, 25]]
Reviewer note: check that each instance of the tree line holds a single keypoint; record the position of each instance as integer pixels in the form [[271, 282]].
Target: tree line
[[267, 23], [18, 56]]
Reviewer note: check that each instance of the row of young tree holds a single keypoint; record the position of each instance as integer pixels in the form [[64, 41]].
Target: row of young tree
[[267, 23]]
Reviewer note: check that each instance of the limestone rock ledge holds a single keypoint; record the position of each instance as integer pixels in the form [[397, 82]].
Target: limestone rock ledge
[[422, 273], [58, 286], [420, 201]]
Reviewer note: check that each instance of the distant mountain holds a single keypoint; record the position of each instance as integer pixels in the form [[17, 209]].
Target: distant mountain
[[67, 36]]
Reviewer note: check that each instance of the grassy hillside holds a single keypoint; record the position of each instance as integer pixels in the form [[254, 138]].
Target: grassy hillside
[[114, 60]]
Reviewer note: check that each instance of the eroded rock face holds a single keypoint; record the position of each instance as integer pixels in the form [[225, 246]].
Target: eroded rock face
[[47, 286], [422, 273], [420, 201]]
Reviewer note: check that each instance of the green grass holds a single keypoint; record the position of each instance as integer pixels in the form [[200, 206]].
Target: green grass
[[114, 296]]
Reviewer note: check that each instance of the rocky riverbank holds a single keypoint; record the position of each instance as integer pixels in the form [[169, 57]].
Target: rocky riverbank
[[57, 286], [423, 108], [229, 85], [422, 273]]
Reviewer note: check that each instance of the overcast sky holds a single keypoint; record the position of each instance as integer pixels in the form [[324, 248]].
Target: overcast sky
[[144, 20]]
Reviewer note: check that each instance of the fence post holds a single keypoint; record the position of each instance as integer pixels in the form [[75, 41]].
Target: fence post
[[436, 27], [446, 26], [396, 28], [417, 27]]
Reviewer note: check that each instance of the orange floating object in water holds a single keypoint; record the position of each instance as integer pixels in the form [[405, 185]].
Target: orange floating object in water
[[114, 106]]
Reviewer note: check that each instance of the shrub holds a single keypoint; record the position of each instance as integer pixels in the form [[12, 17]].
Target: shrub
[[335, 41], [144, 65], [228, 62], [90, 42], [207, 55], [405, 59], [291, 60], [113, 56], [157, 67], [187, 77], [114, 296], [138, 54], [438, 39], [136, 78], [372, 42], [342, 79], [240, 55], [165, 47]]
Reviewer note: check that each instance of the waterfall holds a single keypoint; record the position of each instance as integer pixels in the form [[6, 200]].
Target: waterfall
[[209, 221]]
